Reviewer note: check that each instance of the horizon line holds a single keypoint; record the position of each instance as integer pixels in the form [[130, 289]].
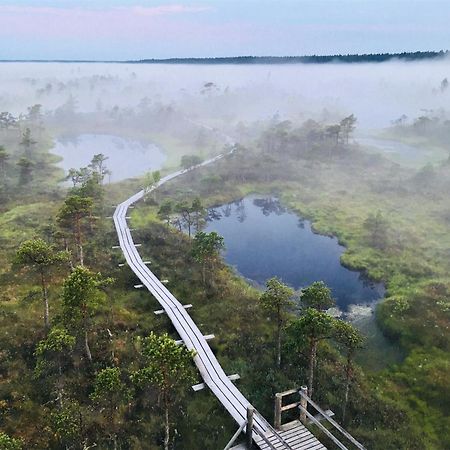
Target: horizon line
[[242, 58]]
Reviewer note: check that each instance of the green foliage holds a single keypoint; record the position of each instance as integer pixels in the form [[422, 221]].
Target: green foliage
[[317, 296], [348, 336], [166, 364], [312, 324], [109, 387], [9, 443], [276, 299], [66, 423], [98, 166], [78, 176], [81, 295], [188, 161], [156, 175], [168, 367], [58, 340], [39, 255], [4, 156], [206, 248], [51, 351], [420, 316], [26, 170], [277, 296], [165, 211], [75, 207]]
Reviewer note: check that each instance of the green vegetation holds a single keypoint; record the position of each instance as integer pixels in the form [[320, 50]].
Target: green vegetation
[[167, 366], [41, 257], [205, 250], [393, 221], [276, 299], [104, 372]]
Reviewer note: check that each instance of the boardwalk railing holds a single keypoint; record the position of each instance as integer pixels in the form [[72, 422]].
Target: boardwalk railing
[[303, 405]]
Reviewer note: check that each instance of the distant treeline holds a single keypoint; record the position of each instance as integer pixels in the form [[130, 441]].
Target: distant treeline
[[313, 59]]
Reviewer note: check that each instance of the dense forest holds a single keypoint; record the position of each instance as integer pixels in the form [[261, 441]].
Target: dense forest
[[311, 59]]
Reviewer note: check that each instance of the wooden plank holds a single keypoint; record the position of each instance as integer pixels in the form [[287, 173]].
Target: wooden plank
[[200, 386], [234, 377], [292, 405], [161, 311], [289, 392]]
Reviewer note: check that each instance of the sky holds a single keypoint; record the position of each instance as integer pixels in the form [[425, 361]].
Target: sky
[[133, 29]]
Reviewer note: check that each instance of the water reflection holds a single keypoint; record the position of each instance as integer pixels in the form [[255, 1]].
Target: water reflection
[[264, 239], [127, 157]]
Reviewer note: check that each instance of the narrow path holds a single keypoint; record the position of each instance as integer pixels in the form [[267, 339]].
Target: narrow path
[[211, 371]]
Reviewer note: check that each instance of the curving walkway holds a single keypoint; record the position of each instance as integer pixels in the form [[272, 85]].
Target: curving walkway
[[211, 371]]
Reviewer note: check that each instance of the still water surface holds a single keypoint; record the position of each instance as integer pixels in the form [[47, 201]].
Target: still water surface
[[263, 240], [127, 157]]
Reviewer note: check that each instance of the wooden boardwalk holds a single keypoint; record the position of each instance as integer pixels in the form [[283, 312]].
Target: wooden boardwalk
[[297, 436], [212, 373]]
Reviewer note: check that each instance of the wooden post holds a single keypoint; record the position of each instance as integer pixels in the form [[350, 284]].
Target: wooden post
[[249, 427], [304, 404], [277, 414]]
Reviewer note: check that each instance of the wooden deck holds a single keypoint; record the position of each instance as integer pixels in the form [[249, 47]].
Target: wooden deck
[[296, 435]]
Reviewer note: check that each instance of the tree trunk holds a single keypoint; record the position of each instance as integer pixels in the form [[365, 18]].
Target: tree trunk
[[348, 376], [204, 273], [45, 297], [79, 243], [312, 363], [66, 247], [86, 346], [167, 424], [3, 174], [279, 338], [60, 384]]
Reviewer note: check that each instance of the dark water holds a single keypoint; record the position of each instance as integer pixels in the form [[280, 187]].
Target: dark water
[[127, 157], [263, 240]]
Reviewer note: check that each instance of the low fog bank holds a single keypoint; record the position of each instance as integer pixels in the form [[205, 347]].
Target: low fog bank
[[377, 94]]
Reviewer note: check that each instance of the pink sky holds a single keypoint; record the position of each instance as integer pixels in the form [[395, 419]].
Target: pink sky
[[127, 29]]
